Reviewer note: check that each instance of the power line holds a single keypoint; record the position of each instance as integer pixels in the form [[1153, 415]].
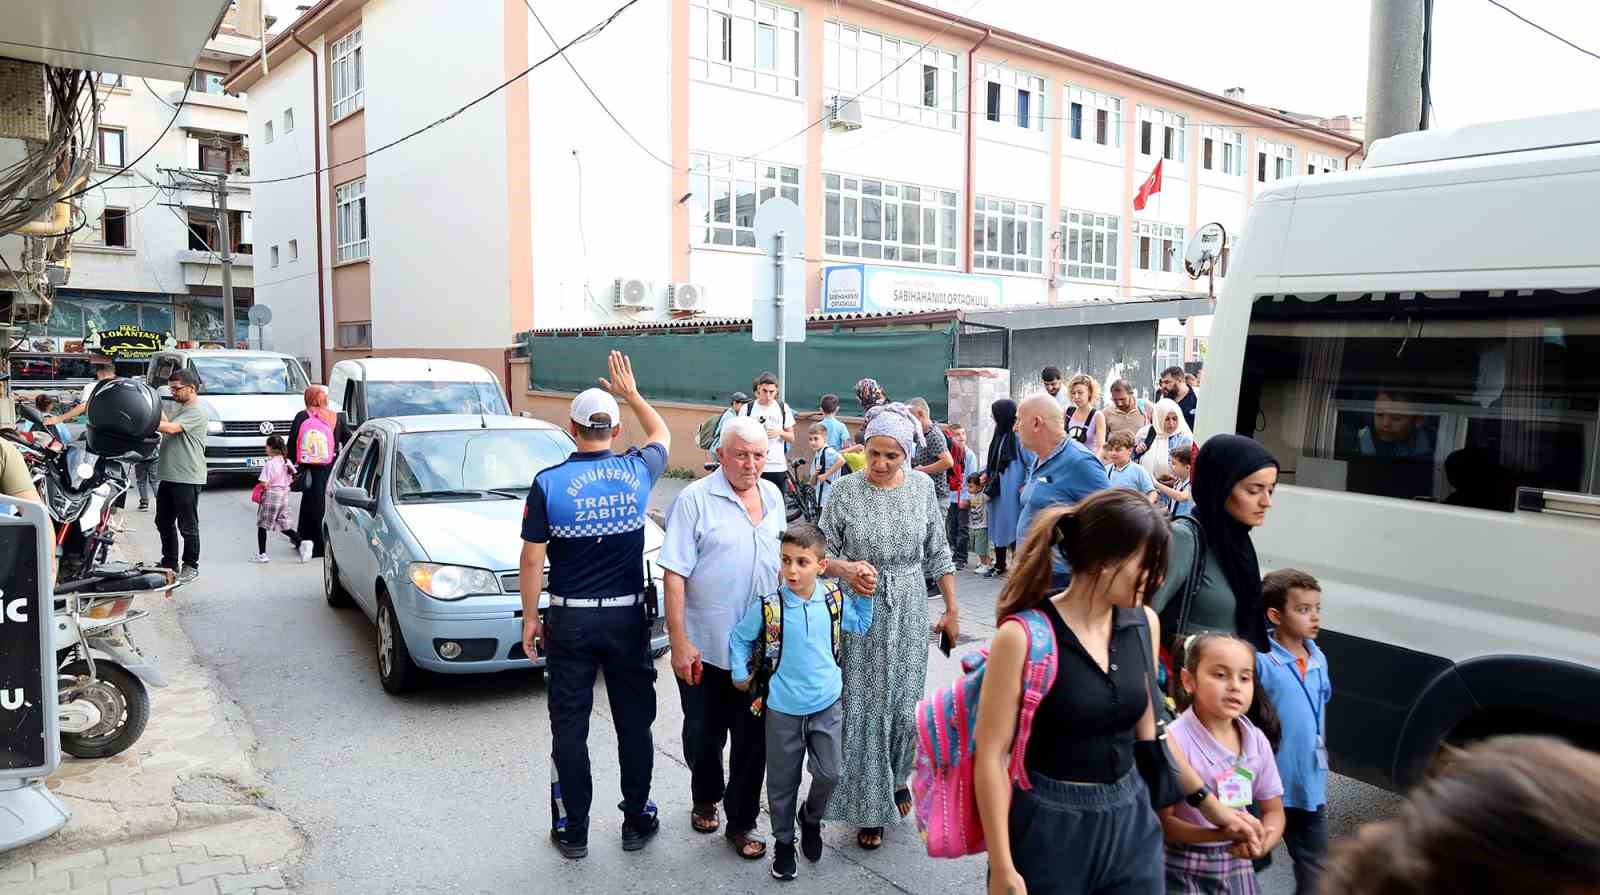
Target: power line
[[153, 143], [581, 80], [1525, 20], [592, 32]]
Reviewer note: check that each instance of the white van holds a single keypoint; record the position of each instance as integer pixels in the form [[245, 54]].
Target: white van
[[375, 387], [247, 394], [1419, 345]]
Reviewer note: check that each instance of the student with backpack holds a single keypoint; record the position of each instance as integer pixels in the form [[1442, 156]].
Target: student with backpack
[[1065, 748], [792, 673], [709, 434], [315, 437]]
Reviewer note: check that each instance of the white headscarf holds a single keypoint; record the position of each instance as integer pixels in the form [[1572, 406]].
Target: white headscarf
[[1158, 460]]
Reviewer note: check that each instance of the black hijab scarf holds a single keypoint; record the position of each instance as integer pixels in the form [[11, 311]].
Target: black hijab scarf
[[1224, 461], [1003, 447]]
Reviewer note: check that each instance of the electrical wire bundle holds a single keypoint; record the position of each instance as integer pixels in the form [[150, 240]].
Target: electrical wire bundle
[[32, 185]]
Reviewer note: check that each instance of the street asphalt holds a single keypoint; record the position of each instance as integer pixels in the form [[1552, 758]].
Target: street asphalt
[[446, 790]]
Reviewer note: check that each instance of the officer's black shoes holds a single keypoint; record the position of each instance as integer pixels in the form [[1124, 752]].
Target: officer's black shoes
[[640, 828], [784, 865], [571, 844], [811, 841]]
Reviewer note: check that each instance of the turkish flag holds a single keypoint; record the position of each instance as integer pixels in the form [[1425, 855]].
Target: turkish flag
[[1152, 185]]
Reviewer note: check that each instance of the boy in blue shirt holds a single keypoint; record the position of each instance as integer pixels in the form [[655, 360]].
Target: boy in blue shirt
[[1295, 675], [838, 435], [795, 635], [1122, 471]]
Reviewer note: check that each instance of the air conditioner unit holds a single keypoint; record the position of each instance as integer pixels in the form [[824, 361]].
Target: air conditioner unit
[[844, 113], [628, 292], [686, 297]]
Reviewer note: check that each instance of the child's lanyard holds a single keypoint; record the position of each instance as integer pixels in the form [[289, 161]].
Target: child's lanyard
[[1316, 714]]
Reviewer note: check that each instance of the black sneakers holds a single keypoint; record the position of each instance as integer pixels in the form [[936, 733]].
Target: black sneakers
[[571, 844], [811, 841], [638, 830], [784, 865]]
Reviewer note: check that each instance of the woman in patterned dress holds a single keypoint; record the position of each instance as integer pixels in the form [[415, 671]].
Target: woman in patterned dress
[[885, 532]]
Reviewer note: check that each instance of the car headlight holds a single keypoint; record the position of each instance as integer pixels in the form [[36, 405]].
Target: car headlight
[[452, 582], [214, 427]]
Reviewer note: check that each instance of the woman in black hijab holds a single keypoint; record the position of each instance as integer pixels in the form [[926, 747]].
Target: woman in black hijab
[[1007, 468], [1233, 481]]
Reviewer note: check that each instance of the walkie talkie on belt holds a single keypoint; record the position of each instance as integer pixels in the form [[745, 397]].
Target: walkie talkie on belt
[[652, 611]]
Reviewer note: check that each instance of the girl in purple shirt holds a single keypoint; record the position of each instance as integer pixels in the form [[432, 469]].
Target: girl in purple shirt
[[1235, 760]]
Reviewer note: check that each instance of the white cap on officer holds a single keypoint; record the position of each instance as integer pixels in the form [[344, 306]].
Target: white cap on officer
[[597, 409]]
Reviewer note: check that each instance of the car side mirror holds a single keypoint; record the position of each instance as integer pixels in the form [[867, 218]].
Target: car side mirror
[[354, 498]]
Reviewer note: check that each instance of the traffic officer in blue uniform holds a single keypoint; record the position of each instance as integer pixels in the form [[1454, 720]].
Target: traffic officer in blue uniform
[[587, 516]]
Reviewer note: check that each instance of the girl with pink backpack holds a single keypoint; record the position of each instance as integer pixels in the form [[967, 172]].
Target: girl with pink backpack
[[1075, 811]]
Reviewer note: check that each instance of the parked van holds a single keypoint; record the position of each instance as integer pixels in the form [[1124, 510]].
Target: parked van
[[1418, 343], [375, 387], [247, 394]]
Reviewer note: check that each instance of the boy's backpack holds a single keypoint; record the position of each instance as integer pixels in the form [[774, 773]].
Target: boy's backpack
[[768, 651], [314, 447], [706, 435], [942, 787], [854, 462]]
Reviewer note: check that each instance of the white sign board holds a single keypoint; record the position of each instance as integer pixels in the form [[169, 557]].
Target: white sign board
[[774, 216]]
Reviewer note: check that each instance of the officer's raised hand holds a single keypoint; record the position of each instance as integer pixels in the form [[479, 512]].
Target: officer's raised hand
[[621, 384]]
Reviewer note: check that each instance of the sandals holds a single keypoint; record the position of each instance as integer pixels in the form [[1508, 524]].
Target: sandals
[[704, 818], [747, 845], [870, 838], [902, 800]]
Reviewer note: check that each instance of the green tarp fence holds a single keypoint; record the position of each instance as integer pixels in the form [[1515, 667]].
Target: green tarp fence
[[707, 367]]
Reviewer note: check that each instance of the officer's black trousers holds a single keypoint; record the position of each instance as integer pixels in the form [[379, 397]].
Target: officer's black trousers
[[579, 644]]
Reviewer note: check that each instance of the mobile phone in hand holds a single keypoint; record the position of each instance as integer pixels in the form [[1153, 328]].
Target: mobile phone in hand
[[945, 643]]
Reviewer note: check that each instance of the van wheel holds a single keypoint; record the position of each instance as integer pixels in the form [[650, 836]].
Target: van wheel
[[396, 671], [332, 589]]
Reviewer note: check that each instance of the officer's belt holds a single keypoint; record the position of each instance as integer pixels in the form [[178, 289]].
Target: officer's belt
[[596, 602]]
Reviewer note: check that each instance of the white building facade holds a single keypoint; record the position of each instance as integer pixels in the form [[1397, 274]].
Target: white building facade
[[937, 162]]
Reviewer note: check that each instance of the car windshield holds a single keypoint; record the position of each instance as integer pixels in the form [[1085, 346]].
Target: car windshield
[[420, 397], [474, 463], [248, 375]]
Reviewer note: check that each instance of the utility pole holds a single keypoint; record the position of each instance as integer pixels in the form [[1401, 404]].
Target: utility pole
[[1396, 59], [225, 253]]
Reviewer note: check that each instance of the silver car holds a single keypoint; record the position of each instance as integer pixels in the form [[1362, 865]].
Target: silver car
[[424, 532]]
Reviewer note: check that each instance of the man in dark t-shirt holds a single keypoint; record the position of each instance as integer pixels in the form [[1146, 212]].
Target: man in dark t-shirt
[[586, 515], [1175, 386]]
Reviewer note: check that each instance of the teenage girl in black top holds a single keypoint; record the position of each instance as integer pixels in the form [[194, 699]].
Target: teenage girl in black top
[[1086, 825]]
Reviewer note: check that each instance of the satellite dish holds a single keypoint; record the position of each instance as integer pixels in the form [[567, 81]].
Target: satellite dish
[[260, 315], [1200, 258]]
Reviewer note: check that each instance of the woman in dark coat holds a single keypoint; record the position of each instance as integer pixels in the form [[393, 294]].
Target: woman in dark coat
[[314, 478]]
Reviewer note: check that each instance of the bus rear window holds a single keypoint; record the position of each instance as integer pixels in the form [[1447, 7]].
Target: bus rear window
[[1451, 397]]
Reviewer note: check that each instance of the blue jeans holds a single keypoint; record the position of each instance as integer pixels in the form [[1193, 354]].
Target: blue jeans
[[1076, 839], [579, 644], [1305, 835]]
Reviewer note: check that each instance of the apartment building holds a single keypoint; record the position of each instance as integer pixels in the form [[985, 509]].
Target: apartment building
[[939, 162], [147, 254]]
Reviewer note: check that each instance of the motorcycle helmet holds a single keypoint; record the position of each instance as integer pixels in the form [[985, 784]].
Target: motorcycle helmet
[[122, 419]]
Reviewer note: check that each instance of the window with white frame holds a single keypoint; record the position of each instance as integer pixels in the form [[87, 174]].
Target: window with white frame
[[1323, 163], [868, 218], [1169, 352], [109, 79], [113, 140], [724, 193], [350, 220], [349, 74], [894, 77], [1093, 117], [294, 250], [114, 227], [354, 334], [274, 254], [1274, 161], [1007, 235], [1157, 247], [1089, 247], [266, 133], [745, 43], [1014, 97], [288, 121], [1162, 133], [1222, 150]]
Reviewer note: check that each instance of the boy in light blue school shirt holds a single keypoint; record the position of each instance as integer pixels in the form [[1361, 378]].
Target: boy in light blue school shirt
[[1295, 675], [838, 435], [1122, 471]]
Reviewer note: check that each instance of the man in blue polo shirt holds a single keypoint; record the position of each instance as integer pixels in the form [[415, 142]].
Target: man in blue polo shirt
[[1064, 473], [587, 516]]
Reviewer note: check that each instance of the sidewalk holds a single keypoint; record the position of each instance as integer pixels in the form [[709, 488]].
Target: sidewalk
[[183, 810]]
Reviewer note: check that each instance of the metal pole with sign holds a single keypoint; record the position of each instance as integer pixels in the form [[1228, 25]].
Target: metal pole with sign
[[30, 744], [260, 316], [779, 305]]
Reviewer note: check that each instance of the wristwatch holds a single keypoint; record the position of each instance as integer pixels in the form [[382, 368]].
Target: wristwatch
[[1197, 798]]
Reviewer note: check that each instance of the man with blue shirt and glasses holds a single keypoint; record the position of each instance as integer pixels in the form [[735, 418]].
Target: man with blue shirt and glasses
[[1064, 472], [587, 516], [720, 555]]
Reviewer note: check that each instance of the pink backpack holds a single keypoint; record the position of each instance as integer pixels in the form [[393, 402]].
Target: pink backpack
[[315, 445], [941, 785]]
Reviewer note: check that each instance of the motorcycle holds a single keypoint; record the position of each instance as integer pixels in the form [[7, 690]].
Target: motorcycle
[[101, 674]]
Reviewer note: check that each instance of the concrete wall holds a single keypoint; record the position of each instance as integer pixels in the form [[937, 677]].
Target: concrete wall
[[1104, 351]]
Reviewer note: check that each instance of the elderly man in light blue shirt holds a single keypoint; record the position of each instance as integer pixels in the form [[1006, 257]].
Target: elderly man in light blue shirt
[[720, 554]]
